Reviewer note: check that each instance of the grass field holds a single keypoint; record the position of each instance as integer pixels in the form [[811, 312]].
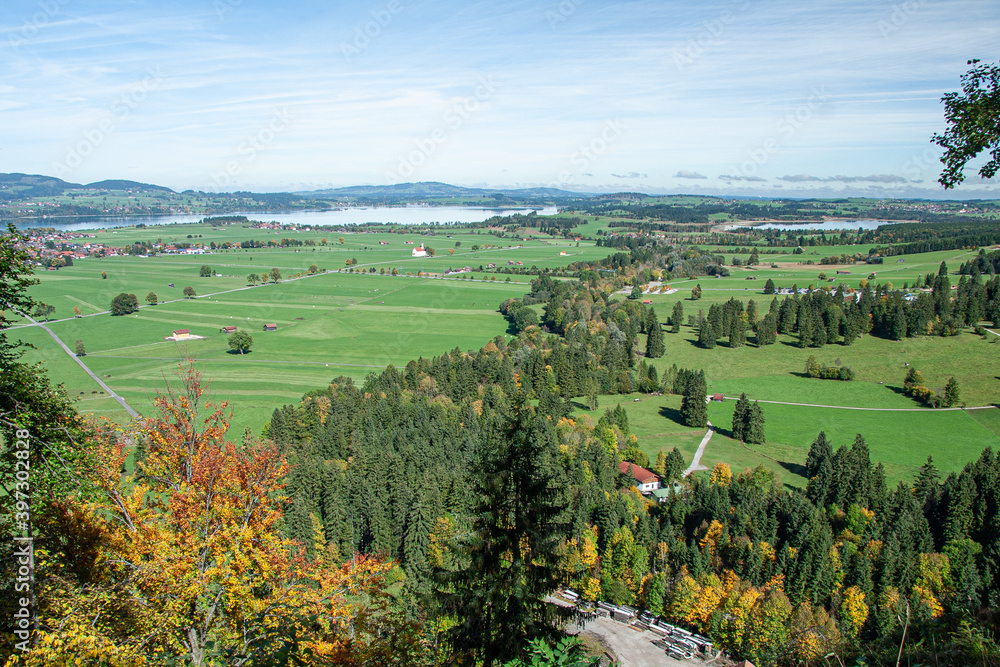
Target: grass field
[[336, 323], [328, 325], [901, 441]]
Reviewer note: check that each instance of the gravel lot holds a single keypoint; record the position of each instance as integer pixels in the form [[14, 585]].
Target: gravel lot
[[631, 647]]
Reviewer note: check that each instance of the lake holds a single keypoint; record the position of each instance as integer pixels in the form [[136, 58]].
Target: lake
[[827, 225], [396, 215]]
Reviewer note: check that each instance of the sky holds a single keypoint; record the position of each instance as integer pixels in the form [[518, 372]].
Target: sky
[[737, 97]]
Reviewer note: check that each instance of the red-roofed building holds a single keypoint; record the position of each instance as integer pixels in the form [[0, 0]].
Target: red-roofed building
[[646, 480]]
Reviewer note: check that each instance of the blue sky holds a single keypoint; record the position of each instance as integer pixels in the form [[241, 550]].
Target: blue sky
[[734, 97]]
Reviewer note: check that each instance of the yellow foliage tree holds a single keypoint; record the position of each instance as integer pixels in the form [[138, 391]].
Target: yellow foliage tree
[[682, 598], [934, 584], [188, 562], [722, 474], [853, 611]]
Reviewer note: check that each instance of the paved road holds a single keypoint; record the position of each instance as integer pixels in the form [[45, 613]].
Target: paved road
[[696, 462], [89, 372]]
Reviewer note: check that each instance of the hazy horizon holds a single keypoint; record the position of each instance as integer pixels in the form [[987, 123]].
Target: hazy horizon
[[732, 98]]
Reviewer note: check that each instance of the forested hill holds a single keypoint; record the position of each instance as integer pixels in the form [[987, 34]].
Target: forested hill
[[416, 465], [407, 466]]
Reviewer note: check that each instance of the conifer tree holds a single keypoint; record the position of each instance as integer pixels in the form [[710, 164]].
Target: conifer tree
[[767, 330], [951, 397], [755, 425], [706, 337], [654, 337], [927, 480], [694, 411], [519, 524], [740, 418], [819, 470], [677, 317], [675, 465], [738, 330]]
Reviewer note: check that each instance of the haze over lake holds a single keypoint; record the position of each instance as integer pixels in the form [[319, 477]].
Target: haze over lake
[[397, 215]]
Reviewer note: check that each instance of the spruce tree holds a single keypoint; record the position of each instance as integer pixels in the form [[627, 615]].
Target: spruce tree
[[755, 425], [675, 465], [738, 330], [951, 397], [512, 551], [654, 338], [927, 480], [677, 317], [706, 337], [819, 470], [767, 329], [694, 411], [415, 543], [740, 418]]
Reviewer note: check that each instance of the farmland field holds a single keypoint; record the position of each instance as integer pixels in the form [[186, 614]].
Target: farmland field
[[334, 323]]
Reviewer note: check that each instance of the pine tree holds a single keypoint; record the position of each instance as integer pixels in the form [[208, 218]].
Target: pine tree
[[819, 470], [769, 287], [654, 337], [518, 527], [755, 425], [675, 465], [738, 330], [951, 397], [706, 337], [694, 411], [740, 418], [927, 480], [676, 317]]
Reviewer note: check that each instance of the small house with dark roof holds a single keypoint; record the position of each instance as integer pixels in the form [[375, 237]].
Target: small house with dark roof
[[229, 329], [647, 481], [181, 333], [270, 327]]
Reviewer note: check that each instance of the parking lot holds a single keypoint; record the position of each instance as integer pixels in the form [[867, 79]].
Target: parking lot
[[631, 642]]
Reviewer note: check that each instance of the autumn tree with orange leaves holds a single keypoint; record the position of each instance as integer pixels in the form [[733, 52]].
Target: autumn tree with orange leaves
[[188, 564]]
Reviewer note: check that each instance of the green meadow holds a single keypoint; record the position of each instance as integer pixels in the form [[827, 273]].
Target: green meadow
[[337, 322], [327, 325]]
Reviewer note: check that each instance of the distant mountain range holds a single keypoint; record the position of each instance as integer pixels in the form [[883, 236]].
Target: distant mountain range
[[35, 185], [434, 189], [18, 186]]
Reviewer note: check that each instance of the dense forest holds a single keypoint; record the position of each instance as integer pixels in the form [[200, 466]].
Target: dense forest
[[421, 517], [402, 467]]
